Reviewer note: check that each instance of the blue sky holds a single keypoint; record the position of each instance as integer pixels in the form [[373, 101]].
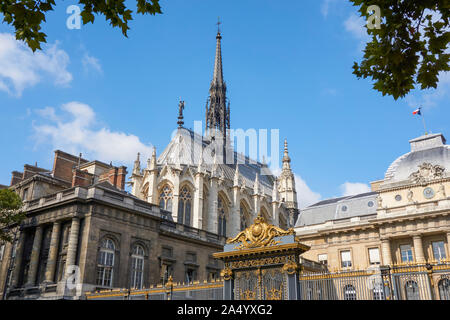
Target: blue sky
[[287, 65]]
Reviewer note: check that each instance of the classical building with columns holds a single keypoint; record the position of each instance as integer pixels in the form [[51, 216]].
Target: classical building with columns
[[84, 232], [405, 219]]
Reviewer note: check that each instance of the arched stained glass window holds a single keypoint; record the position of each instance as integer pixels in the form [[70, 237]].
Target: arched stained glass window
[[185, 206], [221, 210], [165, 198], [244, 215]]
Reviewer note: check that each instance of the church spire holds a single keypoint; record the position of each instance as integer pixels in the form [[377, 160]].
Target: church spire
[[217, 112]]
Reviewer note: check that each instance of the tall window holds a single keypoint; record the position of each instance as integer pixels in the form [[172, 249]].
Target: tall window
[[105, 267], [406, 253], [439, 250], [444, 289], [412, 290], [222, 217], [165, 198], [374, 256], [346, 259], [349, 292], [244, 217], [184, 207], [137, 267]]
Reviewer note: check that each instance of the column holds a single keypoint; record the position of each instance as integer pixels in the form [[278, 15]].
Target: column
[[386, 251], [73, 245], [53, 252], [34, 261], [418, 248], [176, 195], [197, 217], [212, 207], [18, 260]]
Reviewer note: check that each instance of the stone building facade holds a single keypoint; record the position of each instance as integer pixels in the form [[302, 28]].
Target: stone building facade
[[89, 232], [404, 219]]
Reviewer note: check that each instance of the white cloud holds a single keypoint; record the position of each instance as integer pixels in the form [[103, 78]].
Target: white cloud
[[326, 6], [352, 188], [356, 26], [21, 68], [75, 130], [431, 97], [90, 62], [305, 196]]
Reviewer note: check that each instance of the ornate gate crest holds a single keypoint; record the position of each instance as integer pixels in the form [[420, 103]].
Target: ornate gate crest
[[262, 263]]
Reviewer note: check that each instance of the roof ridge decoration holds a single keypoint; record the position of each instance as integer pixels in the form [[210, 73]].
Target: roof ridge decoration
[[259, 234], [427, 172]]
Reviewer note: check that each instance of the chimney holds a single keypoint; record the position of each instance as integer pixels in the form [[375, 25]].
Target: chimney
[[81, 178], [63, 165], [16, 177]]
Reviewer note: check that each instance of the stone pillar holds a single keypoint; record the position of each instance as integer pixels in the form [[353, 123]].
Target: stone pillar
[[386, 251], [256, 206], [275, 214], [212, 207], [34, 261], [72, 245], [53, 252], [176, 196], [18, 260], [235, 216], [418, 248], [448, 242], [197, 217]]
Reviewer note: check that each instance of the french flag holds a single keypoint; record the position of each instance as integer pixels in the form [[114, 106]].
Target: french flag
[[417, 111]]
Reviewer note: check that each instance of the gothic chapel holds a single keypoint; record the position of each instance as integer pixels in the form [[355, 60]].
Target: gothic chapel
[[209, 186]]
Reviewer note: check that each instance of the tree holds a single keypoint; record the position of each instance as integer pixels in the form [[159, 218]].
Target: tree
[[26, 16], [10, 213], [408, 50]]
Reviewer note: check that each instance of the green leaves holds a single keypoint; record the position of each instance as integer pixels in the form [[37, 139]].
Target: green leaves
[[26, 16], [10, 214], [408, 51]]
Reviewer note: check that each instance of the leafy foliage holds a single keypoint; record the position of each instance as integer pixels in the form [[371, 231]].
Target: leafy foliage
[[10, 214], [27, 16], [409, 50]]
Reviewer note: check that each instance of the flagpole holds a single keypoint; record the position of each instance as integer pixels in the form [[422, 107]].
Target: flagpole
[[423, 120]]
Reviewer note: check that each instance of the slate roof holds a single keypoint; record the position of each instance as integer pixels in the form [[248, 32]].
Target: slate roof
[[184, 149], [363, 204]]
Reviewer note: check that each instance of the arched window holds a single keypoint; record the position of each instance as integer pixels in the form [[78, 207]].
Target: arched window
[[412, 290], [165, 198], [184, 206], [222, 217], [349, 292], [105, 266], [244, 215], [265, 214], [137, 267], [444, 289]]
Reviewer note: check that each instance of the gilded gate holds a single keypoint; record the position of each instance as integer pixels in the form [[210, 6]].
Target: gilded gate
[[262, 263]]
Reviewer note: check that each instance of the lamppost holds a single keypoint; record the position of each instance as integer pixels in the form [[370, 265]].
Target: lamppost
[[169, 287]]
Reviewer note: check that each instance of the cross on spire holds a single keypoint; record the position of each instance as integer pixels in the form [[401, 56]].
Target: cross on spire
[[218, 24]]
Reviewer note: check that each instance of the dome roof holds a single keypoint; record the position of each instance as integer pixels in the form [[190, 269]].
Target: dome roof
[[425, 149]]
